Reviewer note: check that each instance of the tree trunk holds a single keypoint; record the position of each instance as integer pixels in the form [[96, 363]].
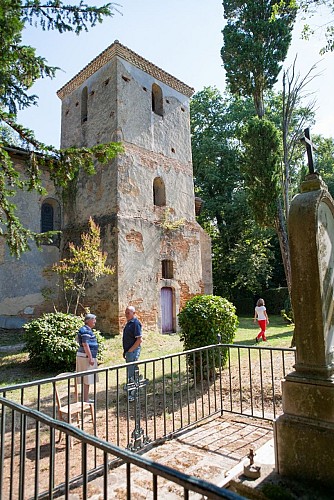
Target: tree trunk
[[259, 104], [282, 234]]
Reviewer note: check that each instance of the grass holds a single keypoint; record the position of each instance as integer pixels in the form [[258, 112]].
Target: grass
[[16, 368], [279, 333]]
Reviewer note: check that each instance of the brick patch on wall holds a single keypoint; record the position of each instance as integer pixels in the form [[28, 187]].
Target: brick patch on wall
[[136, 238]]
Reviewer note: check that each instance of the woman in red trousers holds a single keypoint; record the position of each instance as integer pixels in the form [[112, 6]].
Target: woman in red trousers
[[261, 317]]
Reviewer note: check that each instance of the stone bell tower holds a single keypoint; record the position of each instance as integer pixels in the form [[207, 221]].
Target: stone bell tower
[[144, 199]]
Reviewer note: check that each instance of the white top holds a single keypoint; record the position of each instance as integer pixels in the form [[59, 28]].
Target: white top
[[260, 312]]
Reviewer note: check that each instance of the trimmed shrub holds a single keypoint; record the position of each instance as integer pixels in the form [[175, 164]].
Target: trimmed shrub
[[51, 343], [206, 320]]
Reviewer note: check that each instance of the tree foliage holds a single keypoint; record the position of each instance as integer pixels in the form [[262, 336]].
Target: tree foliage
[[261, 167], [309, 8], [20, 68], [256, 41], [242, 254], [251, 259], [87, 263], [246, 256], [324, 159], [215, 152]]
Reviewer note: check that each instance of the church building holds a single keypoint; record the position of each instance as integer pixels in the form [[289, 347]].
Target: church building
[[143, 200]]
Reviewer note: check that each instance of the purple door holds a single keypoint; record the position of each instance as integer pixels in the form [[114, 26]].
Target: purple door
[[167, 309]]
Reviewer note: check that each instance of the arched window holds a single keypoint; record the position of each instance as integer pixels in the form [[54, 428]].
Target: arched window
[[47, 218], [159, 192], [167, 269], [157, 100], [84, 105], [50, 218]]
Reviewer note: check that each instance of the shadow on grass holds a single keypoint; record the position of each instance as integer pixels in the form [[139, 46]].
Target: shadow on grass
[[19, 369], [269, 337]]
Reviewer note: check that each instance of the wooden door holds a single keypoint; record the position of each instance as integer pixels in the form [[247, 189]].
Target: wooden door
[[167, 310]]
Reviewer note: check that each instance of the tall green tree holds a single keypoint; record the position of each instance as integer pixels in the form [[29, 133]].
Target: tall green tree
[[261, 166], [256, 41], [242, 256], [20, 68], [257, 36], [242, 247]]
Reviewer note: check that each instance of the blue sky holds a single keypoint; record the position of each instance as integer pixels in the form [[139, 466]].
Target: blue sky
[[181, 36]]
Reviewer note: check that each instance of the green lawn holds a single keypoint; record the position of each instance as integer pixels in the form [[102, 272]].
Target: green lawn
[[16, 368], [279, 333]]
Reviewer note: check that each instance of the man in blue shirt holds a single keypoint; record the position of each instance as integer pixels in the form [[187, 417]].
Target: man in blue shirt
[[132, 339], [87, 353]]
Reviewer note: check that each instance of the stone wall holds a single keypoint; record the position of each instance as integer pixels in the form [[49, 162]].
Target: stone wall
[[101, 120], [23, 279]]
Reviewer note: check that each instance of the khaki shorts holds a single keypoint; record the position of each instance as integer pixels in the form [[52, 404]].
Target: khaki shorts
[[82, 365]]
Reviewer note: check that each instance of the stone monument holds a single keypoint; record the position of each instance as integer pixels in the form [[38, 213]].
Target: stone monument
[[304, 434]]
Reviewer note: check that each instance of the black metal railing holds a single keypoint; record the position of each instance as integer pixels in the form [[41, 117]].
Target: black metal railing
[[181, 389], [252, 379], [173, 392], [31, 469]]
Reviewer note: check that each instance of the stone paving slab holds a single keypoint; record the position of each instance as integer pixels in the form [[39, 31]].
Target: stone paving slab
[[208, 451]]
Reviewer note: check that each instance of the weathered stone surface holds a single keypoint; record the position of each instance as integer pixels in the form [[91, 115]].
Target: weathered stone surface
[[307, 397], [312, 263], [308, 449], [155, 147], [22, 280]]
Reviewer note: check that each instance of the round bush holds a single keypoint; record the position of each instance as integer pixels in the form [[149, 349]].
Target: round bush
[[51, 343], [206, 320]]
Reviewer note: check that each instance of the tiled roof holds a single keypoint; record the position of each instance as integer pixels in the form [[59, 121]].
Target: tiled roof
[[117, 49]]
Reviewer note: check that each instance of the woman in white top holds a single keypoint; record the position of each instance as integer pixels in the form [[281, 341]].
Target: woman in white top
[[262, 318]]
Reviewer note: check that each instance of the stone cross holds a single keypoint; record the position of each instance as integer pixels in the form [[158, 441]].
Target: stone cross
[[310, 147], [133, 388]]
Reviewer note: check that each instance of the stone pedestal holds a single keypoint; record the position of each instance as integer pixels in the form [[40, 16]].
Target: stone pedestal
[[304, 434]]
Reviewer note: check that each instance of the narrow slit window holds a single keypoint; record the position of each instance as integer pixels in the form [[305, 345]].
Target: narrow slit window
[[51, 219], [159, 192], [84, 105], [157, 100]]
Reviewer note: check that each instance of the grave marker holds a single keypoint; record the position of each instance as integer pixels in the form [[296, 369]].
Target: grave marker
[[305, 432]]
